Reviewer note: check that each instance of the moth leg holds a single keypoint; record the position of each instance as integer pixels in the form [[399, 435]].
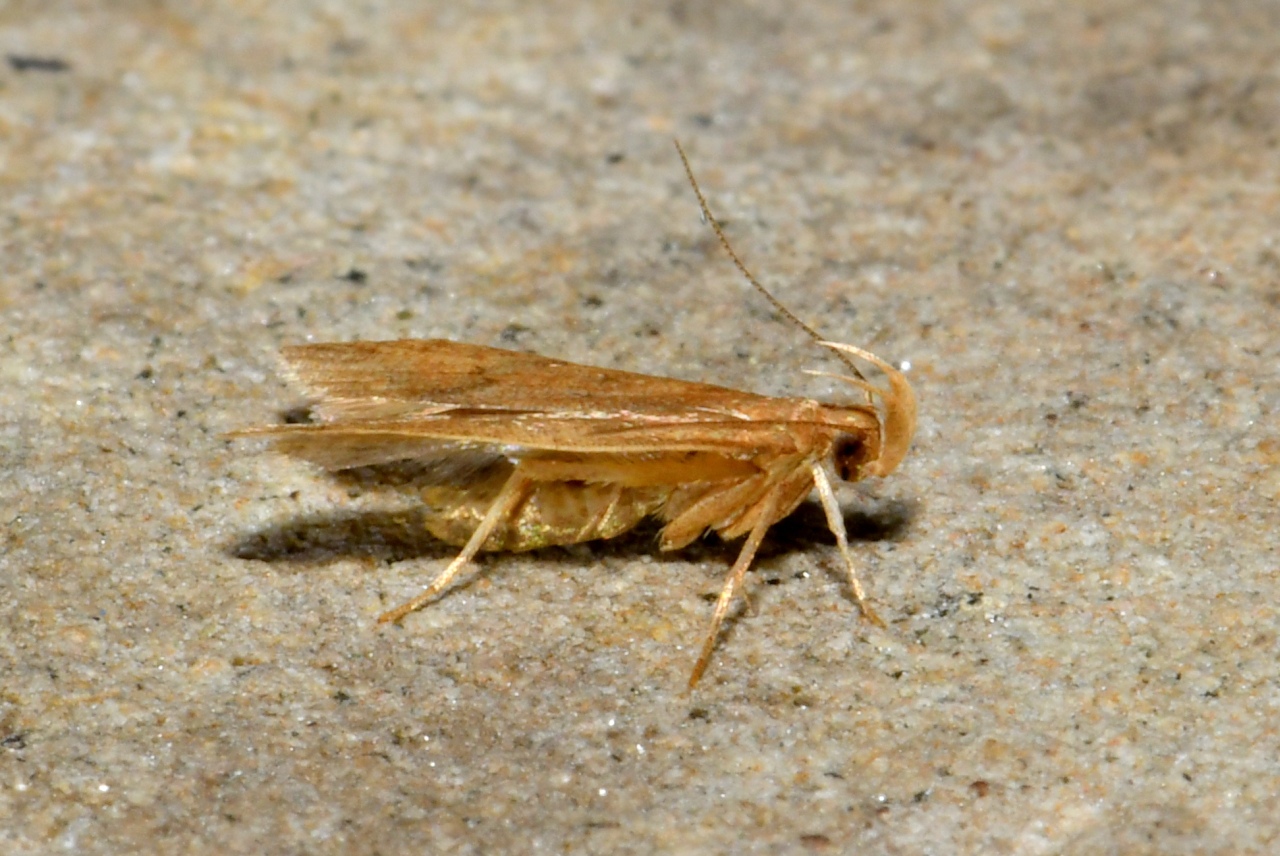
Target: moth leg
[[515, 491], [733, 581], [835, 522], [592, 526]]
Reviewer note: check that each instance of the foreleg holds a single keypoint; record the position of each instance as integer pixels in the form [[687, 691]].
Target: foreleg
[[835, 522]]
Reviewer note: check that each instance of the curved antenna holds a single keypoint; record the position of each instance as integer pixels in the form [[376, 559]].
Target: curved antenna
[[724, 242]]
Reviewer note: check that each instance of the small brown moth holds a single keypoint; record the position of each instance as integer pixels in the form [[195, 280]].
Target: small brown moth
[[519, 451]]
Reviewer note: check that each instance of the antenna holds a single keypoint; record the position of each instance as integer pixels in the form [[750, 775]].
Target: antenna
[[724, 242]]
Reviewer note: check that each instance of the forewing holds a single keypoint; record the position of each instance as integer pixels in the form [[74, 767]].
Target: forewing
[[425, 399], [413, 377]]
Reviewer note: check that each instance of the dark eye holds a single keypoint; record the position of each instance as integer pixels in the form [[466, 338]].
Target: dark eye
[[849, 455]]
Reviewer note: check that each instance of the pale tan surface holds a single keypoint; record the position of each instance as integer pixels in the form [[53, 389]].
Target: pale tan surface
[[1063, 216]]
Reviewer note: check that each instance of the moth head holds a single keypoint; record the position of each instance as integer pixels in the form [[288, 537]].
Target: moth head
[[851, 454], [857, 455]]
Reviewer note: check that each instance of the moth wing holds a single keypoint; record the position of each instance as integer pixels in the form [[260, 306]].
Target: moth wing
[[344, 444], [413, 377], [334, 447], [426, 399]]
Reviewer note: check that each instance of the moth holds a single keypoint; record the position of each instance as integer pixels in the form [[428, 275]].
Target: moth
[[516, 451]]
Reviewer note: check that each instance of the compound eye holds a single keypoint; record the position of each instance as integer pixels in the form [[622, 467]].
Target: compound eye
[[849, 456]]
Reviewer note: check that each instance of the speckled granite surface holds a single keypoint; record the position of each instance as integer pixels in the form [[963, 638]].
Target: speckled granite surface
[[1062, 216]]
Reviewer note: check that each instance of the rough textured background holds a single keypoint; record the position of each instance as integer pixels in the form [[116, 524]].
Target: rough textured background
[[1062, 215]]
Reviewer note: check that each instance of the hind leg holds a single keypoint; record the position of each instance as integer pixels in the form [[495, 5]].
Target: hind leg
[[515, 491]]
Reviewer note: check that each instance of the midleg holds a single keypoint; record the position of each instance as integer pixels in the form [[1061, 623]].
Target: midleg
[[734, 580]]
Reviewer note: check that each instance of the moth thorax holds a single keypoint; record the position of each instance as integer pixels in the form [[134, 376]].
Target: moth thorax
[[852, 452]]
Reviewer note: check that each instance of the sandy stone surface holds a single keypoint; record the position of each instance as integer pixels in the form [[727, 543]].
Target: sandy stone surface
[[1061, 216]]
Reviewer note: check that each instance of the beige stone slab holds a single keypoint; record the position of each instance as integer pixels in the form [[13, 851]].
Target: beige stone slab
[[1062, 216]]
